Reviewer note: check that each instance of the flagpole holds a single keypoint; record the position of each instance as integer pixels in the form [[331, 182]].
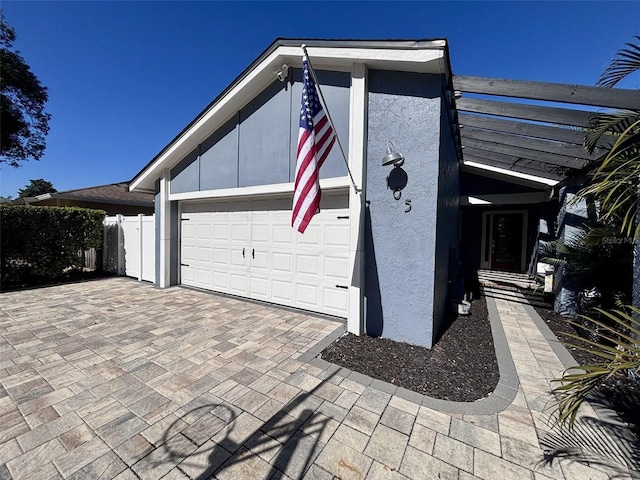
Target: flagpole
[[326, 109]]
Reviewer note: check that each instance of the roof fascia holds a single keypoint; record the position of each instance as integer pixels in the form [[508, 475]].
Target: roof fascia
[[424, 56]]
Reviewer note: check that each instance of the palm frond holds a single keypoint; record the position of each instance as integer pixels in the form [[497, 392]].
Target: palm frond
[[624, 63], [614, 184], [577, 383], [607, 126]]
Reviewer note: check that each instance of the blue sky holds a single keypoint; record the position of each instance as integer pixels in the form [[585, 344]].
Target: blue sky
[[125, 77]]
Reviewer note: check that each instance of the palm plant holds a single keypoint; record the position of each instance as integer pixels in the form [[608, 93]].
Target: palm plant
[[596, 256], [617, 347], [614, 187], [614, 183]]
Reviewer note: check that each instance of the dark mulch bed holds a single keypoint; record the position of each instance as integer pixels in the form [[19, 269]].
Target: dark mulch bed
[[461, 366], [622, 393]]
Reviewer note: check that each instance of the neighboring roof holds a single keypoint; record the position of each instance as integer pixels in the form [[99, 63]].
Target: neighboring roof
[[426, 56], [111, 193]]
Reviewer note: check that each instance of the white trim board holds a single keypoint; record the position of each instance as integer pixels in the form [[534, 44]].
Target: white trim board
[[505, 199], [325, 184], [509, 173]]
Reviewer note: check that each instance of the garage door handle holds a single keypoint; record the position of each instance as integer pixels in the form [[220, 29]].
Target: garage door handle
[[253, 253], [243, 253], [184, 265], [342, 286]]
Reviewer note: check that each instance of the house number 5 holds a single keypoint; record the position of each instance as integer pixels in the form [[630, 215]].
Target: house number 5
[[408, 204]]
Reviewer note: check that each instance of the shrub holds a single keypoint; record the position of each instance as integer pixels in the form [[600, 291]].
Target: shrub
[[44, 242]]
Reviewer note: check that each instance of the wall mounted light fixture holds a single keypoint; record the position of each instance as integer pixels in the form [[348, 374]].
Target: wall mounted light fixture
[[282, 73], [392, 156]]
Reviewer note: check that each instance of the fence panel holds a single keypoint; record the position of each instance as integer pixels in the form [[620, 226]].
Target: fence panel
[[130, 246]]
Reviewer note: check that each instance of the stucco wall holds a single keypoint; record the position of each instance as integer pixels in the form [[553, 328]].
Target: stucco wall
[[401, 246], [258, 145], [447, 224]]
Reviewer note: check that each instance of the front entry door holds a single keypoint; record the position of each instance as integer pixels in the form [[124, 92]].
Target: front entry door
[[506, 241]]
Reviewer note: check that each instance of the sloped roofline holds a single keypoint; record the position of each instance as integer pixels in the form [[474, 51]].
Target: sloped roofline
[[382, 54], [70, 195]]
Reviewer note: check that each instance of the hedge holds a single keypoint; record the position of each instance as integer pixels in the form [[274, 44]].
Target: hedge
[[44, 242]]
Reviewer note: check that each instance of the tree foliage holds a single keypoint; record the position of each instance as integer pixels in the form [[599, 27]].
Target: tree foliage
[[25, 123], [36, 187]]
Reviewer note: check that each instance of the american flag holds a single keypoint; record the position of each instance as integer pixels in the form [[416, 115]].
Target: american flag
[[315, 139]]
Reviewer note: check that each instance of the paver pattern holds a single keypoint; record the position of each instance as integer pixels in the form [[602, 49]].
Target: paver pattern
[[115, 379]]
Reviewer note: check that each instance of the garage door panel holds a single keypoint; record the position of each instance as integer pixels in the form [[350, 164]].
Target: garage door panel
[[188, 253], [336, 267], [237, 284], [259, 261], [334, 202], [281, 292], [307, 295], [281, 235], [189, 231], [307, 265], [280, 265], [335, 300], [221, 232], [258, 288], [203, 254], [281, 262], [220, 280], [188, 275], [310, 238], [203, 276], [336, 236], [260, 234], [238, 257], [239, 233], [220, 257], [282, 206]]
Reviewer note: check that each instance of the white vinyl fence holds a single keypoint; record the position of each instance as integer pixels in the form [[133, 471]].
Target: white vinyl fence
[[130, 246]]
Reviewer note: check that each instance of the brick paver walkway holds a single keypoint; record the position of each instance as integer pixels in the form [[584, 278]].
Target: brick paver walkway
[[118, 379]]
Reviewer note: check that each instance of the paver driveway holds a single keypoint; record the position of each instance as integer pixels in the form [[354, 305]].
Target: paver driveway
[[118, 379]]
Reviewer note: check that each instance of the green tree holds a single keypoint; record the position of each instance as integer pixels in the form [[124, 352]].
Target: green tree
[[36, 187], [25, 123]]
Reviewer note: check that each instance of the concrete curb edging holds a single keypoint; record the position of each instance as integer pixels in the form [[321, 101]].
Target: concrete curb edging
[[558, 348], [495, 402]]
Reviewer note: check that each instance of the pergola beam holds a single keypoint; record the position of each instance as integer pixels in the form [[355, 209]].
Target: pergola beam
[[518, 169], [564, 149], [552, 92], [525, 153], [514, 164], [559, 134], [560, 116]]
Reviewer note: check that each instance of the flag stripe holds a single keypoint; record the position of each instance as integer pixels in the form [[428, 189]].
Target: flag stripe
[[315, 140]]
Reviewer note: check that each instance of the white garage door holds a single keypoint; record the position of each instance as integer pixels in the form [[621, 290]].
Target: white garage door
[[248, 248]]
